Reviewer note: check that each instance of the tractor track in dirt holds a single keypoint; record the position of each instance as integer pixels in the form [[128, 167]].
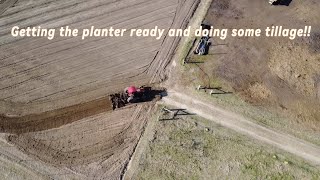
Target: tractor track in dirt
[[53, 119], [5, 4]]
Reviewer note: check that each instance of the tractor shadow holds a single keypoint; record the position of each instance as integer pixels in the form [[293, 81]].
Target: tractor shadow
[[153, 94]]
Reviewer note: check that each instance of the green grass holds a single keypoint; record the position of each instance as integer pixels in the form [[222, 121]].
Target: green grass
[[192, 76], [194, 148], [186, 48], [261, 115]]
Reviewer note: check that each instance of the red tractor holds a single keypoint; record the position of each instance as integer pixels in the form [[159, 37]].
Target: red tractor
[[133, 95]]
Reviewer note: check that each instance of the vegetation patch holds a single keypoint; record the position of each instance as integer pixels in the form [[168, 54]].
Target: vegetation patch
[[194, 148]]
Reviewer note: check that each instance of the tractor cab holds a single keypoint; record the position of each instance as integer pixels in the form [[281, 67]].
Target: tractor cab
[[135, 94]]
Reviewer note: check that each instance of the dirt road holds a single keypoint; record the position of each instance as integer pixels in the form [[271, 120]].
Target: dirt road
[[233, 121]]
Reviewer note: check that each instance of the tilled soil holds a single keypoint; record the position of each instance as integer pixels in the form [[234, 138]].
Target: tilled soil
[[5, 4], [53, 119], [53, 93], [98, 146], [69, 70]]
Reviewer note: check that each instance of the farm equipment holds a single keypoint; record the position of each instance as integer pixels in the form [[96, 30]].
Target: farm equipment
[[133, 95], [204, 43], [203, 46]]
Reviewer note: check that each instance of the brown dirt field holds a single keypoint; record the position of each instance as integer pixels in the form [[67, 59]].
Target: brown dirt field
[[5, 4], [54, 112], [68, 70], [273, 72], [53, 119], [97, 147]]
